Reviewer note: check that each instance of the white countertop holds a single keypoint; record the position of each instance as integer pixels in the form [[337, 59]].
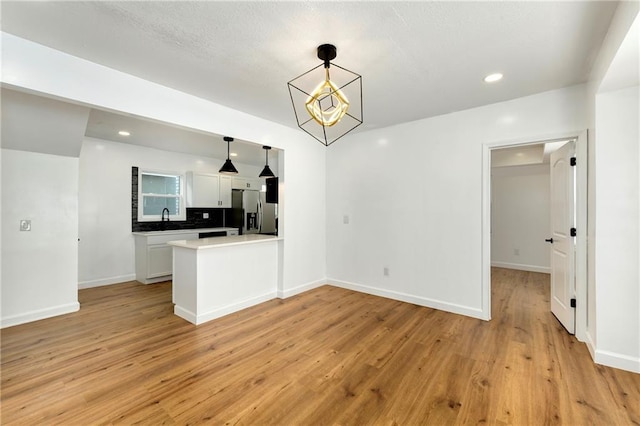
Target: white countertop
[[233, 240], [183, 231]]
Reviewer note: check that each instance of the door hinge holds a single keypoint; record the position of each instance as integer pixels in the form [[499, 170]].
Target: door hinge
[[573, 232], [573, 161], [573, 303]]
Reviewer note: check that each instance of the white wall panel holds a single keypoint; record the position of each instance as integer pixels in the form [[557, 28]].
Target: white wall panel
[[520, 217], [613, 329], [39, 267], [617, 268]]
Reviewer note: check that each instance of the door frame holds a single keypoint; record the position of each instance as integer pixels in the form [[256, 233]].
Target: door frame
[[581, 221]]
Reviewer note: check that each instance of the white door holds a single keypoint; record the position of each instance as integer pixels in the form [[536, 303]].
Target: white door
[[562, 243]]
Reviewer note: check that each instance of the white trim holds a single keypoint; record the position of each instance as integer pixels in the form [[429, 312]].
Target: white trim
[[485, 291], [184, 314], [616, 360], [521, 267], [182, 199], [582, 255], [403, 297], [39, 314], [590, 344], [283, 294], [234, 307], [222, 311], [107, 281]]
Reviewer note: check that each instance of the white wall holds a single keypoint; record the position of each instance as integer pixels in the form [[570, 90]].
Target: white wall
[[57, 74], [39, 267], [106, 251], [617, 270], [413, 194], [520, 217], [611, 338]]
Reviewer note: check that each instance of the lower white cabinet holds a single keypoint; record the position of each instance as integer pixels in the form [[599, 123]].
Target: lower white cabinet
[[154, 257], [159, 259]]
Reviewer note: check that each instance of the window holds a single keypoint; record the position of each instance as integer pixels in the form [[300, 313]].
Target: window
[[157, 191]]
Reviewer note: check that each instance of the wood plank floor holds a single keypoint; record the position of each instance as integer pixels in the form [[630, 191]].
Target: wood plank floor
[[326, 357]]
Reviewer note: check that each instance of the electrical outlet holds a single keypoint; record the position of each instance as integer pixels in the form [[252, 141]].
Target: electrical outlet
[[345, 219], [385, 271], [516, 252], [205, 215], [25, 225]]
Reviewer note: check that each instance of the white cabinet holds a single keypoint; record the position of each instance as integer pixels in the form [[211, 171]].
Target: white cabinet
[[247, 183], [154, 257], [224, 193], [159, 259], [206, 190]]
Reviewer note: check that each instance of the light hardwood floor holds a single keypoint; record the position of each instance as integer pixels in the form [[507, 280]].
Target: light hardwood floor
[[326, 357]]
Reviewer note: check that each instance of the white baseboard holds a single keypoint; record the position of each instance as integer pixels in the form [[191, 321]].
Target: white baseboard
[[107, 281], [198, 319], [185, 314], [612, 359], [522, 267], [616, 360], [39, 314], [409, 298], [590, 345], [283, 294]]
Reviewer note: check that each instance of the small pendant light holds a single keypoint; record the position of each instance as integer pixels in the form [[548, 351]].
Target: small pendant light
[[228, 166], [266, 172]]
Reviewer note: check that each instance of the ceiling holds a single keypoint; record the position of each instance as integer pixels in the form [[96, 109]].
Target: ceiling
[[153, 134], [524, 155], [417, 59]]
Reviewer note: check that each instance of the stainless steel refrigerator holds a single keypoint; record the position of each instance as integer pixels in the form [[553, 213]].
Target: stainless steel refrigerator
[[252, 214]]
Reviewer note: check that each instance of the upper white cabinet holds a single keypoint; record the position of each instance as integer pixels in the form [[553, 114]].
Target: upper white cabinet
[[247, 183], [208, 190], [224, 194]]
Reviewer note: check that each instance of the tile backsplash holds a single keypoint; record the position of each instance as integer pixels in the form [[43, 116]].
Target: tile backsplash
[[195, 217]]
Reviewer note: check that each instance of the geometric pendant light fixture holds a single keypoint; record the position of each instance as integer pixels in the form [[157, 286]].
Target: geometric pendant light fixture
[[266, 172], [327, 99], [228, 166]]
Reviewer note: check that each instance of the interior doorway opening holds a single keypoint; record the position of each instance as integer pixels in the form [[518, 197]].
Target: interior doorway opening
[[517, 214]]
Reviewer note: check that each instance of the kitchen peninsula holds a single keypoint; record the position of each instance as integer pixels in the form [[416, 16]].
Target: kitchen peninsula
[[213, 277]]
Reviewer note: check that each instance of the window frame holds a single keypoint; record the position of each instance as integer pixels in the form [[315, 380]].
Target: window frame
[[182, 210]]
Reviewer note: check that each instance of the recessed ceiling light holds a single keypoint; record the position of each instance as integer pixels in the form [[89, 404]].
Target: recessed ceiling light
[[492, 78], [233, 154], [124, 133]]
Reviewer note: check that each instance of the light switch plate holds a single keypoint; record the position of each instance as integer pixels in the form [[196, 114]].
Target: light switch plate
[[25, 225]]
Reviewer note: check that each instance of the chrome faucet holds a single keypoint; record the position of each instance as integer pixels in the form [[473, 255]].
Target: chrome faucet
[[163, 210]]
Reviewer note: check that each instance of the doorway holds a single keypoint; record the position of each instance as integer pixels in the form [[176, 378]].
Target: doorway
[[580, 265]]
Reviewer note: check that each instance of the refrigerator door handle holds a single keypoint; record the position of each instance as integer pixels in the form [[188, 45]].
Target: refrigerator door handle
[[259, 215]]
